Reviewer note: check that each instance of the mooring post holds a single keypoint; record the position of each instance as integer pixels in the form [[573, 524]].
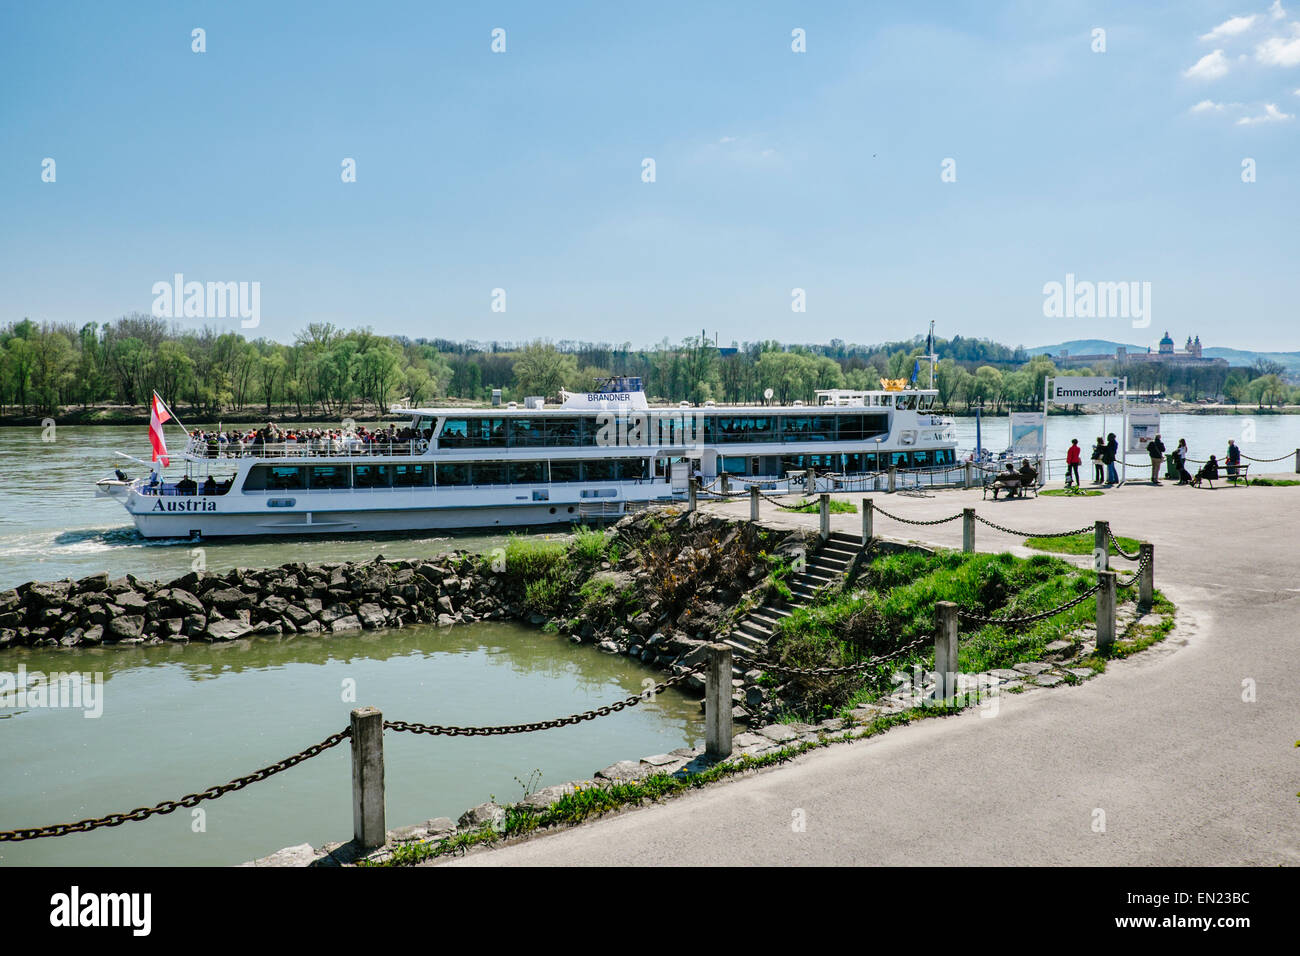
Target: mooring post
[[824, 515], [968, 530], [868, 521], [368, 827], [969, 477], [1106, 610], [810, 482], [1147, 576], [694, 492], [945, 650], [753, 503], [1297, 461], [893, 478], [717, 702], [1101, 545]]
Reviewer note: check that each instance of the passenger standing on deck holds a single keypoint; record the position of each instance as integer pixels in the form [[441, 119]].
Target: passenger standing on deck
[[1073, 457]]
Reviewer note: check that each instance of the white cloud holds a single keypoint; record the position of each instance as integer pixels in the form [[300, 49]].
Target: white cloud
[[1277, 11], [1280, 51], [1271, 114], [1209, 67], [727, 139], [1231, 28], [1206, 106]]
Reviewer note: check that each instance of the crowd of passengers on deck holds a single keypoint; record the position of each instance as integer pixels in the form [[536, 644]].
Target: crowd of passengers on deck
[[317, 441]]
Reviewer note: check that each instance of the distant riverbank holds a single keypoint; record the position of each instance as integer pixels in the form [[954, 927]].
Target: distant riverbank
[[139, 414]]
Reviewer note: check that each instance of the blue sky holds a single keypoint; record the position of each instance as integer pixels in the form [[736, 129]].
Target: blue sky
[[775, 170]]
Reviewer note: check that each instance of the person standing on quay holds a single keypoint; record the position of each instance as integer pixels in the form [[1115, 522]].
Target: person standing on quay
[[1233, 458], [1112, 450], [1072, 459], [1156, 449], [1180, 456], [1098, 453]]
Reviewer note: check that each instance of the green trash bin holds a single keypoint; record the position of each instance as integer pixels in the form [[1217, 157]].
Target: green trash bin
[[1171, 468]]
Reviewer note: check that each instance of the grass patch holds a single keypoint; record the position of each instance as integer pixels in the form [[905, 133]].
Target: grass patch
[[896, 608], [587, 803], [811, 506], [1071, 492], [1274, 482], [1079, 544]]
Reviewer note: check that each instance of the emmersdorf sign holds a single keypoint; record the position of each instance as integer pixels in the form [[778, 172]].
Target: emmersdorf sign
[[1084, 391]]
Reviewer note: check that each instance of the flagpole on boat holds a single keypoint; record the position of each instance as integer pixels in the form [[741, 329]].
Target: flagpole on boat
[[172, 412]]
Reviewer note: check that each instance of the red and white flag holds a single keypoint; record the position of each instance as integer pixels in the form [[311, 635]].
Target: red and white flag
[[157, 415]]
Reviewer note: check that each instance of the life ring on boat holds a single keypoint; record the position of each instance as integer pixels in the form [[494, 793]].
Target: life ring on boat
[[422, 445]]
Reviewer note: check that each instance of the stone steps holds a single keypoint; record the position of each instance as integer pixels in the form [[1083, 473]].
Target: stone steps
[[824, 567]]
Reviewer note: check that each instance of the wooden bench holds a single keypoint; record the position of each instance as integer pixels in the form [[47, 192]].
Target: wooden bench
[[1012, 486], [1232, 473]]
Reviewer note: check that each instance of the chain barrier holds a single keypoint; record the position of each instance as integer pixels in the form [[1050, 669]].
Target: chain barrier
[[743, 660], [1114, 543], [1137, 574], [1268, 461], [167, 806], [1028, 619], [881, 511], [1031, 534], [441, 731]]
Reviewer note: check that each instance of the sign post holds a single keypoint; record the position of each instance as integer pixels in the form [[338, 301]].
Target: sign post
[[1083, 390]]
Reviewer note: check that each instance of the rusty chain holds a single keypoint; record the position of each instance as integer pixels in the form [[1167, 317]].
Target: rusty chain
[[167, 806], [439, 730]]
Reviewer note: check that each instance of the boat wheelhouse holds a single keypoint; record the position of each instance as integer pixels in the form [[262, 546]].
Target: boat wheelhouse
[[598, 454]]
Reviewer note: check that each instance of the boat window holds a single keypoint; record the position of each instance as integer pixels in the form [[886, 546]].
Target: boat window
[[455, 433], [452, 473], [898, 459], [372, 476], [565, 470], [527, 432], [906, 402], [527, 472], [921, 459], [327, 477], [489, 473], [275, 478], [599, 469], [412, 476]]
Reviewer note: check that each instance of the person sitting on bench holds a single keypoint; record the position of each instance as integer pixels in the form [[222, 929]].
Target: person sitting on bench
[[1008, 480], [1027, 474], [1209, 472]]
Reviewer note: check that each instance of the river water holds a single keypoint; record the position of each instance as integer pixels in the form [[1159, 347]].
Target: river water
[[178, 719]]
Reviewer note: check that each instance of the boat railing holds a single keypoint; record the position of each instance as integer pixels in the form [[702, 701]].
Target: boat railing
[[312, 448]]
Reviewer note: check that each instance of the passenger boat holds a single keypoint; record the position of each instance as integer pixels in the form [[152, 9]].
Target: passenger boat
[[597, 454]]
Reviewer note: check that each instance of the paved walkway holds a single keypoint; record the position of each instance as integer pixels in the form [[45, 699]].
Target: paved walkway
[[1184, 770]]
